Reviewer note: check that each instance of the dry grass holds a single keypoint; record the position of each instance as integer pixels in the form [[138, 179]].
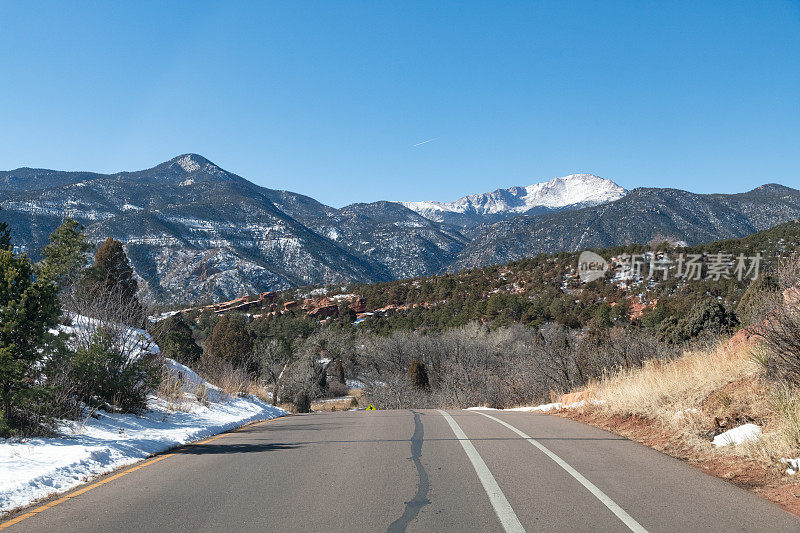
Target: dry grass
[[704, 393], [181, 394], [334, 404], [171, 389], [677, 407], [232, 381], [782, 436], [658, 390], [260, 391]]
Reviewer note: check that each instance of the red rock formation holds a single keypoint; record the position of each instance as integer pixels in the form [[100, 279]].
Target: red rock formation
[[359, 306], [324, 311]]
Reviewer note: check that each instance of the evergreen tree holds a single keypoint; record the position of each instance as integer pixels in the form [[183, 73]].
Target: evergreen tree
[[707, 316], [418, 374], [174, 336], [230, 340], [65, 256], [29, 309], [112, 270]]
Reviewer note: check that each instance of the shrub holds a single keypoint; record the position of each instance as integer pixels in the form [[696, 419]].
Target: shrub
[[781, 330], [174, 336], [760, 298], [707, 317], [417, 374], [304, 380], [781, 333], [106, 376]]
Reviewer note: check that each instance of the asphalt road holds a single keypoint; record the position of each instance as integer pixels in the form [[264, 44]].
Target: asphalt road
[[418, 471]]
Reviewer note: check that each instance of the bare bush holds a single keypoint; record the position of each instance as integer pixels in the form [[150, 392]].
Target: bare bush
[[303, 381], [112, 312], [781, 329], [509, 366]]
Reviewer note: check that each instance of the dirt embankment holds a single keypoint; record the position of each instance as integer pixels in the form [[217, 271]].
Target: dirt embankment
[[678, 407]]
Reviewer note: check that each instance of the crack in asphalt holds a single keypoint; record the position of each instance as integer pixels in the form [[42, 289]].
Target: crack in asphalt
[[420, 499]]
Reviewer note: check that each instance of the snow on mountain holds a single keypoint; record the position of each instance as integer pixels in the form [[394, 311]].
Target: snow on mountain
[[576, 190]]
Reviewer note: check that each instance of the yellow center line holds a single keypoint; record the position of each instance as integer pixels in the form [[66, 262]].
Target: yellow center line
[[86, 489]]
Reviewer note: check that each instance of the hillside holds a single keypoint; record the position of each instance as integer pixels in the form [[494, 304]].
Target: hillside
[[532, 291], [197, 233], [643, 215]]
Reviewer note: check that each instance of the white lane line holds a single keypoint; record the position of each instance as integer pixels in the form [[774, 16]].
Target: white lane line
[[508, 518], [632, 524]]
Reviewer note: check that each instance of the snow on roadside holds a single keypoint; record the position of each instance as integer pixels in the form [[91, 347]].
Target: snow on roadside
[[544, 408], [37, 467], [738, 435]]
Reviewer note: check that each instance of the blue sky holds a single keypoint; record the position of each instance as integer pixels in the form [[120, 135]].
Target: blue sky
[[329, 98]]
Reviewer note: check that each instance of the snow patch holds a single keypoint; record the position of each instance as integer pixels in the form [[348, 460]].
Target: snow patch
[[101, 442], [575, 189], [544, 408], [794, 465], [738, 435]]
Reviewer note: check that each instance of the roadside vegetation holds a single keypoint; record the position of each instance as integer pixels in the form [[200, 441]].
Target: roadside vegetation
[[51, 370], [750, 380]]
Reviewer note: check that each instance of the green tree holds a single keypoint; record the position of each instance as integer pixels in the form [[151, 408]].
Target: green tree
[[230, 340], [602, 316], [112, 271], [707, 316], [174, 336], [29, 309], [65, 256]]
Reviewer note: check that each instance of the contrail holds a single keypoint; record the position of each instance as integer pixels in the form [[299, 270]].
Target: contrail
[[423, 142]]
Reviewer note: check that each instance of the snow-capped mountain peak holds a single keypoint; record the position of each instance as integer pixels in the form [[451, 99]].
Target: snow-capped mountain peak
[[575, 190]]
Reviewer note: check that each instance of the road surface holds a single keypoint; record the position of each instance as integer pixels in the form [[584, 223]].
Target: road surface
[[421, 470]]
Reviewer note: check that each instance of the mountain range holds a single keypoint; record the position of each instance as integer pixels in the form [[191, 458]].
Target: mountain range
[[195, 232], [570, 192]]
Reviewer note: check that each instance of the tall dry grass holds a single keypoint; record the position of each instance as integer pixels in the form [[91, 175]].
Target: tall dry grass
[[182, 394], [659, 390], [687, 396]]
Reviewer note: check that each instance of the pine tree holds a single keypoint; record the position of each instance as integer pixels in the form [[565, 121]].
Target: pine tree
[[29, 309], [174, 336], [112, 270], [65, 256], [418, 374], [230, 340]]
